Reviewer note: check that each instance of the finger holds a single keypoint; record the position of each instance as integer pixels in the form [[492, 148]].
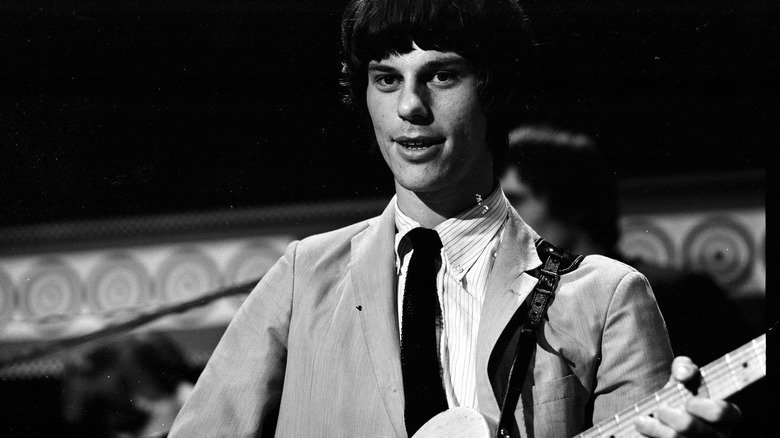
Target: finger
[[714, 411], [684, 424], [652, 427], [683, 369], [686, 372]]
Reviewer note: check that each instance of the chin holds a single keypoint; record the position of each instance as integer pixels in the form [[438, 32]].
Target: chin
[[423, 186]]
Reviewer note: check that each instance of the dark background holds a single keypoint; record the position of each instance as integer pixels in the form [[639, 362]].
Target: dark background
[[117, 108]]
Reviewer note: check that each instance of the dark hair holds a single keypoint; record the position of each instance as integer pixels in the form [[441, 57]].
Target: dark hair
[[495, 35], [578, 178]]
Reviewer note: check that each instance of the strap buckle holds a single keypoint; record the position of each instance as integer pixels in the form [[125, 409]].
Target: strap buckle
[[547, 281]]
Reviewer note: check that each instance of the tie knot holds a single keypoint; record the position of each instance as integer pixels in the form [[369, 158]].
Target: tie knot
[[424, 239]]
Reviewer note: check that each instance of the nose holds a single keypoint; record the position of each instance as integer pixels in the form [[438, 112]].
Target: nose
[[412, 103]]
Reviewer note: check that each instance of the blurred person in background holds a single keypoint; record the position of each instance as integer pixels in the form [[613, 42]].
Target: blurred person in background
[[128, 387], [566, 188]]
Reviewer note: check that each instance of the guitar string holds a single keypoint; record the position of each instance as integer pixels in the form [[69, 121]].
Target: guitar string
[[723, 375], [718, 371], [670, 395], [611, 426]]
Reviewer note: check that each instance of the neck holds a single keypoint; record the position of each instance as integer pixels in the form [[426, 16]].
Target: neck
[[430, 209]]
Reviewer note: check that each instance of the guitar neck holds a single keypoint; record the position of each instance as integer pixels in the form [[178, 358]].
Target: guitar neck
[[719, 380]]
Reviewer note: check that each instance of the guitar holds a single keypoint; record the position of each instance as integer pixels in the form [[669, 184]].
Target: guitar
[[719, 380]]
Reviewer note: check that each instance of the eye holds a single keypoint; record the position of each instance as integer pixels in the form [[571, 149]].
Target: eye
[[443, 78], [387, 82]]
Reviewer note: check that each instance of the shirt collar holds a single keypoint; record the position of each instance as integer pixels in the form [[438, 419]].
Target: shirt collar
[[463, 237]]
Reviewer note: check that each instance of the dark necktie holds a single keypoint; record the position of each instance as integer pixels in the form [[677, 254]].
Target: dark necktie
[[423, 390]]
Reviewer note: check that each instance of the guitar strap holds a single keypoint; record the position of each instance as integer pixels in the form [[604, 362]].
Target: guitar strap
[[556, 262]]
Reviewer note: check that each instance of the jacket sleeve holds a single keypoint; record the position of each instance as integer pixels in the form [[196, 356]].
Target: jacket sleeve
[[239, 391], [635, 354]]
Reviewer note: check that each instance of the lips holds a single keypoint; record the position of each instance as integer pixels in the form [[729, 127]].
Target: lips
[[418, 142]]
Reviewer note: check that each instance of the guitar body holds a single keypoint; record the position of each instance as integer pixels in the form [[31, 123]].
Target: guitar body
[[456, 423]]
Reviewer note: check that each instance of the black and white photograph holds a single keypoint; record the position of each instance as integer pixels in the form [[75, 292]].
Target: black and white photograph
[[386, 218]]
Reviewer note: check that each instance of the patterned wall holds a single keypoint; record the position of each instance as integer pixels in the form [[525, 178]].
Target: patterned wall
[[729, 245], [70, 293]]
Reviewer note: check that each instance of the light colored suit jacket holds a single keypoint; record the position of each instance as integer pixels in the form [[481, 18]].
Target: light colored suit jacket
[[314, 351]]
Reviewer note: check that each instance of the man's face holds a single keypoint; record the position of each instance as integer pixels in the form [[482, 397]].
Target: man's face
[[428, 121]]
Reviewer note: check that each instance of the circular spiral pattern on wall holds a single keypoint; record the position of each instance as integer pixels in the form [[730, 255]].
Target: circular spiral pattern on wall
[[51, 288], [250, 263], [722, 247], [7, 301], [186, 275], [647, 241], [118, 282], [50, 295]]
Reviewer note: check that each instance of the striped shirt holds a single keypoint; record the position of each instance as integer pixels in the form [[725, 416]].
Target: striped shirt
[[469, 243]]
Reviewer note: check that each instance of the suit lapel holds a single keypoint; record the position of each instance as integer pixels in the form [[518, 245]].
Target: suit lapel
[[373, 278], [507, 288]]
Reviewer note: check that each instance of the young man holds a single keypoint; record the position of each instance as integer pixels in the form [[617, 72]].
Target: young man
[[321, 347]]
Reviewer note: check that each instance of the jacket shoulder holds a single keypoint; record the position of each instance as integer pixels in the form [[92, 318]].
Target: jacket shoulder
[[342, 234], [324, 248], [598, 279], [607, 268]]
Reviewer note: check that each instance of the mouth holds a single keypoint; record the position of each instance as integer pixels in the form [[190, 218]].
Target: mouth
[[418, 143]]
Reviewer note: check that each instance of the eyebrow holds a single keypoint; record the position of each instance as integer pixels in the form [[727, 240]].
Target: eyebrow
[[374, 66], [445, 61]]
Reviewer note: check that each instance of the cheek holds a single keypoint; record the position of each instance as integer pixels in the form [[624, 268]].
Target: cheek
[[470, 121], [377, 111]]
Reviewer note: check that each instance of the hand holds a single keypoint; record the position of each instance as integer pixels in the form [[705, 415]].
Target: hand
[[702, 417]]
